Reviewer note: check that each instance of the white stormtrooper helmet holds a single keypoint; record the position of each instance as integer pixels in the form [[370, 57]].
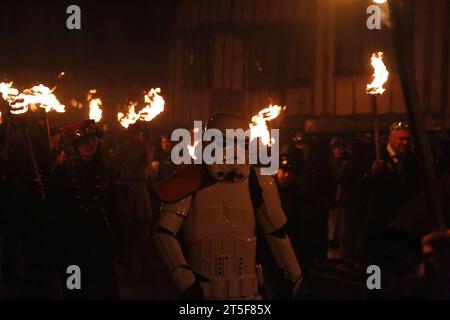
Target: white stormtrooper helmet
[[229, 172]]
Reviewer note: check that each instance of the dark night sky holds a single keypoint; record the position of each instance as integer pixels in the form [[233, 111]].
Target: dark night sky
[[122, 44]]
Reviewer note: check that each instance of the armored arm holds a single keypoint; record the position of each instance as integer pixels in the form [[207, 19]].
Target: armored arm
[[272, 220], [170, 220]]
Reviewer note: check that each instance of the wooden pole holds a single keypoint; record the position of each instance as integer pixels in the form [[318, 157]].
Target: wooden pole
[[33, 161], [49, 136], [376, 126], [5, 151]]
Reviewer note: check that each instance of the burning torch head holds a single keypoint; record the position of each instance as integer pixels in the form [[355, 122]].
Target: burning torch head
[[231, 169]]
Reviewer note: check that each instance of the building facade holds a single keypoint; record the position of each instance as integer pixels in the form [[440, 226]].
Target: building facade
[[312, 56]]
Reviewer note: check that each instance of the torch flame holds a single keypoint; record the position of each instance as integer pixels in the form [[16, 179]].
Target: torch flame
[[8, 92], [258, 127], [39, 95], [131, 117], [95, 112], [191, 148], [380, 75], [154, 106]]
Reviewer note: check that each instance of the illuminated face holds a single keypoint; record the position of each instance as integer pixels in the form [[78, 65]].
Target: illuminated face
[[88, 147], [165, 144], [400, 141]]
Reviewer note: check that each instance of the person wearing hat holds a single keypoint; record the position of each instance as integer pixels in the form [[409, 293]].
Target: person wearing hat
[[84, 219]]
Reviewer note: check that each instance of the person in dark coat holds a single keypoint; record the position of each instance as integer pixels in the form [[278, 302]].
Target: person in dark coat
[[132, 166], [312, 187], [24, 214], [85, 222], [344, 181], [392, 182]]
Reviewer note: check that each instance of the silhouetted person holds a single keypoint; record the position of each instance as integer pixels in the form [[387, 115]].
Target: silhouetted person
[[84, 216], [132, 167]]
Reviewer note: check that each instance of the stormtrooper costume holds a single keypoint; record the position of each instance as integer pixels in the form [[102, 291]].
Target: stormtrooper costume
[[214, 207]]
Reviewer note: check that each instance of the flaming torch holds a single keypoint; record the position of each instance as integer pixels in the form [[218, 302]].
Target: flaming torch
[[259, 128], [38, 96], [41, 96], [154, 106], [131, 117], [95, 111], [191, 147], [374, 89], [8, 92]]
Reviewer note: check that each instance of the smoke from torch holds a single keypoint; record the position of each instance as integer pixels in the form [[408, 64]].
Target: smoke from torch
[[258, 127]]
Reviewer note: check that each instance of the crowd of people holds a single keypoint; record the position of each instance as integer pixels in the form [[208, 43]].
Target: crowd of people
[[76, 202]]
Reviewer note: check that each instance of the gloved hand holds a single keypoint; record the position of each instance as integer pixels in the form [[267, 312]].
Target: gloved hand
[[193, 292], [296, 287], [285, 289]]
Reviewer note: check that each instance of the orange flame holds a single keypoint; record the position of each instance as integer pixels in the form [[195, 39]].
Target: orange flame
[[154, 106], [258, 127], [8, 92], [39, 95], [380, 75], [95, 111], [191, 148]]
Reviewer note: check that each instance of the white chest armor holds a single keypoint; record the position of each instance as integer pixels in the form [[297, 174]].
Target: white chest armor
[[220, 236]]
